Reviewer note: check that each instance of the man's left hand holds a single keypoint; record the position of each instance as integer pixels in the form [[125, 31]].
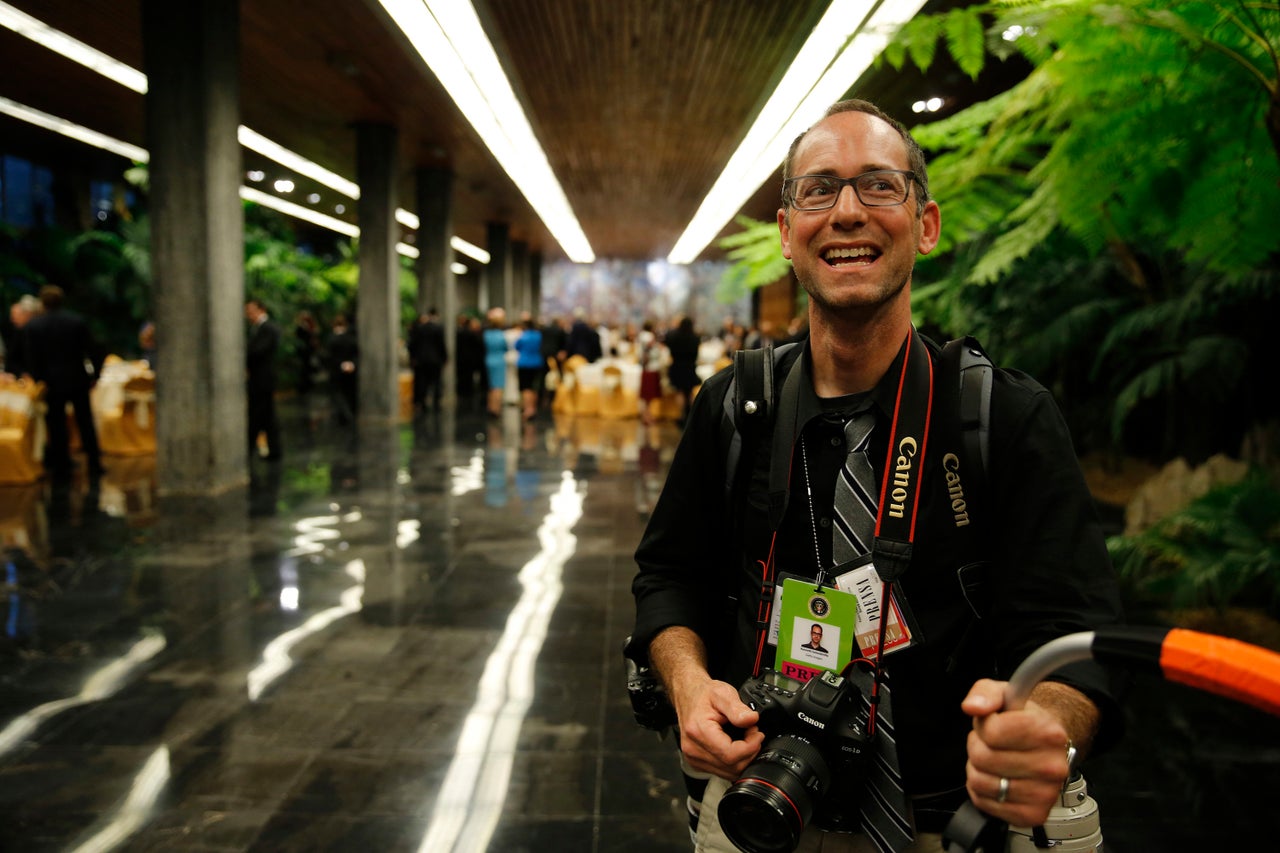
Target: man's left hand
[[1017, 759]]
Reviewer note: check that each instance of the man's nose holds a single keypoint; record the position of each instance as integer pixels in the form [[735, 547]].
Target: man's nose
[[848, 206]]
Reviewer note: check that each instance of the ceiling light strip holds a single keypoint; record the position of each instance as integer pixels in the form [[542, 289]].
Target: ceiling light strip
[[59, 42], [469, 249], [141, 155], [77, 51], [299, 212], [450, 40], [73, 130], [842, 46], [255, 141]]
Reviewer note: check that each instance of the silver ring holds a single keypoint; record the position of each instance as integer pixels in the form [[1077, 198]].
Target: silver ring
[[1003, 793]]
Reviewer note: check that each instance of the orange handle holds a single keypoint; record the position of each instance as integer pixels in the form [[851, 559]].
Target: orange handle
[[1223, 666]]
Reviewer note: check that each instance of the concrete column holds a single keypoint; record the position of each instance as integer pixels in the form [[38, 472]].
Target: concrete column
[[471, 292], [436, 285], [535, 282], [520, 277], [435, 227], [191, 57], [498, 273], [378, 315]]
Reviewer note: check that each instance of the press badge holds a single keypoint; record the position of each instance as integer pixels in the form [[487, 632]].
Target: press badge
[[865, 584], [813, 628]]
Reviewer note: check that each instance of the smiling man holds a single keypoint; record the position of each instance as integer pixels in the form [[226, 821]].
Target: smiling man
[[728, 553]]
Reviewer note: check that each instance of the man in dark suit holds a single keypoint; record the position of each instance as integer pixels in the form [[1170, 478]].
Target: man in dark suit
[[342, 357], [427, 355], [260, 363], [60, 353]]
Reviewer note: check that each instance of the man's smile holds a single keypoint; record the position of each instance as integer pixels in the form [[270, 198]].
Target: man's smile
[[850, 256]]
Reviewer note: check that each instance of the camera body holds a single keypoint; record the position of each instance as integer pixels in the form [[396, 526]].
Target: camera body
[[816, 742], [826, 710], [649, 702]]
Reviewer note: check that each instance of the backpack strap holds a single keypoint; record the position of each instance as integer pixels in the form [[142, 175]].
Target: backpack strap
[[966, 357], [750, 403]]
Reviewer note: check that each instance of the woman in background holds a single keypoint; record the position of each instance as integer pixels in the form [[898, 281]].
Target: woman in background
[[495, 358]]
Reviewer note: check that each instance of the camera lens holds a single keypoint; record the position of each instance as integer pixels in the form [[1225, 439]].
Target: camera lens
[[767, 808]]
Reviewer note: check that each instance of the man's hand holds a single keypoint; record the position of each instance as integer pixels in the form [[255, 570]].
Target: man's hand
[[1027, 747], [704, 710], [704, 706]]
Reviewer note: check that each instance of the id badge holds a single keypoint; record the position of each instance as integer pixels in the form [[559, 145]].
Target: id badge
[[816, 629], [865, 584]]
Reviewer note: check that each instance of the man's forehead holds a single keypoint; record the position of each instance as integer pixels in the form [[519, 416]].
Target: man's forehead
[[868, 140]]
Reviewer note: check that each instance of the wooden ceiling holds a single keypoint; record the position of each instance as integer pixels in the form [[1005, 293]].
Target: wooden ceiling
[[638, 103]]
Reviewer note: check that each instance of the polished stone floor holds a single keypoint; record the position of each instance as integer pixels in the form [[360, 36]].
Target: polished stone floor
[[407, 638]]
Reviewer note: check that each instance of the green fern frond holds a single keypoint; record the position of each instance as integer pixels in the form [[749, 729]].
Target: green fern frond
[[1222, 549], [966, 39]]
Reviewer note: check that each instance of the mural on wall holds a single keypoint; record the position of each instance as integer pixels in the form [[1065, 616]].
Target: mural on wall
[[617, 293]]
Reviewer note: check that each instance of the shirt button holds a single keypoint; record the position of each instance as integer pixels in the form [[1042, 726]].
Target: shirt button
[[824, 522], [837, 440]]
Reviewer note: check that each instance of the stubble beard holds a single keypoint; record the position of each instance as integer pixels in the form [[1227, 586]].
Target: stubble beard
[[841, 302]]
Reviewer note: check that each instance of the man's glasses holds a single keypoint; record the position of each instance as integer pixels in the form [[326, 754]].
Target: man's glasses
[[881, 188]]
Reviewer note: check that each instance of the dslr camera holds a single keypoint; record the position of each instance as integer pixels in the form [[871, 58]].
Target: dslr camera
[[816, 742]]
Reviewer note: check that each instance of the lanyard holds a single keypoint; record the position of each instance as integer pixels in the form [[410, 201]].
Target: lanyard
[[899, 497]]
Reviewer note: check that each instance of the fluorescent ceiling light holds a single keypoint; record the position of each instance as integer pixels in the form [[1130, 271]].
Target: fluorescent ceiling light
[[255, 141], [299, 212], [111, 68], [141, 155], [841, 47], [59, 42], [73, 130], [449, 38], [469, 249]]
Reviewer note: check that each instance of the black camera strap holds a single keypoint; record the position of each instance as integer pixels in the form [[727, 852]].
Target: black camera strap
[[896, 512]]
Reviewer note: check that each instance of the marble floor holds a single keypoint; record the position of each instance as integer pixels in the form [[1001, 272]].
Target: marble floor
[[407, 638]]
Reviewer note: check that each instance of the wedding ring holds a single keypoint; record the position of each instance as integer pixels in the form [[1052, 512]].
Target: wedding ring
[[1003, 793]]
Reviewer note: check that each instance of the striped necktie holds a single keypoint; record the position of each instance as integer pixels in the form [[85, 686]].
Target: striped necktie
[[855, 498], [885, 809]]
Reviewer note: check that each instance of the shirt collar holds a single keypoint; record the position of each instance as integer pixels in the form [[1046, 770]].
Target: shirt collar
[[883, 396]]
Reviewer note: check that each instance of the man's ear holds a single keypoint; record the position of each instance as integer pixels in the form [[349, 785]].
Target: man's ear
[[784, 231], [930, 227]]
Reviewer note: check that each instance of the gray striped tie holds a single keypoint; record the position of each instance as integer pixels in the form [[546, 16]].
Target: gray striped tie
[[855, 498], [885, 808]]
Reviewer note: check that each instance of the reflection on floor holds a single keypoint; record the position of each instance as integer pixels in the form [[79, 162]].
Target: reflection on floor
[[407, 639]]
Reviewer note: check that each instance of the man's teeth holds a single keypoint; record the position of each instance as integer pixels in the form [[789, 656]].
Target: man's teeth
[[847, 254]]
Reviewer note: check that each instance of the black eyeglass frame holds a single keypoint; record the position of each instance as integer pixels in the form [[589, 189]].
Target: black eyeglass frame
[[789, 199]]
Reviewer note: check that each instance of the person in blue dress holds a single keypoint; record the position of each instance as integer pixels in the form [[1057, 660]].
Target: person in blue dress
[[495, 358]]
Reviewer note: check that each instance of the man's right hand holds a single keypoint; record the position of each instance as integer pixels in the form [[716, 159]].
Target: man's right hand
[[704, 706], [704, 710]]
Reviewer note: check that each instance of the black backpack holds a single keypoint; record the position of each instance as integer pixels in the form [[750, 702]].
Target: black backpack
[[751, 403]]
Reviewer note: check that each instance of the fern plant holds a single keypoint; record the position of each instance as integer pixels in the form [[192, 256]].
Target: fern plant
[[1222, 550], [1144, 122]]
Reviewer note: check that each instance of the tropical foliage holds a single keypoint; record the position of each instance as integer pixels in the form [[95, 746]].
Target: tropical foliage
[[107, 273], [1222, 550], [1142, 121], [1110, 222]]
